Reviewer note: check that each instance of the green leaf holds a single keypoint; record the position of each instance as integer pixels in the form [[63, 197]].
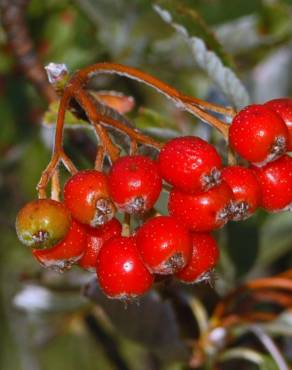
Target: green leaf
[[275, 238], [243, 244], [71, 121], [207, 55], [195, 25], [149, 118], [221, 11], [150, 321]]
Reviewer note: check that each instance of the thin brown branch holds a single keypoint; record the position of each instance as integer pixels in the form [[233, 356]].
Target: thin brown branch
[[97, 118], [13, 20]]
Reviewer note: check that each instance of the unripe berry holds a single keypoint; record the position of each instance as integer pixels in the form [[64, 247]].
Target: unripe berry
[[120, 270], [190, 164], [246, 191], [258, 134], [283, 107], [86, 195], [134, 183], [164, 244], [96, 237], [42, 223], [67, 252], [204, 211], [275, 179], [205, 255]]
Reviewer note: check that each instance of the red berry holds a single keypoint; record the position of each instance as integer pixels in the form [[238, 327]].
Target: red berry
[[246, 191], [190, 164], [67, 252], [204, 211], [204, 257], [283, 107], [275, 180], [42, 223], [86, 195], [134, 183], [96, 237], [164, 244], [258, 134], [120, 270]]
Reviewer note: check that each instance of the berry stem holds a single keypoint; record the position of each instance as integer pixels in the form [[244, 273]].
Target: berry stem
[[126, 225], [208, 118], [231, 157], [130, 72], [226, 111], [99, 158], [56, 188], [274, 283], [133, 147], [58, 156], [98, 118], [94, 117]]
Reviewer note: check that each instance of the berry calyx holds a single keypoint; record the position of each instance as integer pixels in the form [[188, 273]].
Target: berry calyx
[[164, 244], [205, 256], [42, 223], [96, 237], [134, 184], [246, 191], [283, 107], [120, 270], [86, 195], [190, 164], [258, 134], [204, 211], [275, 180], [67, 252]]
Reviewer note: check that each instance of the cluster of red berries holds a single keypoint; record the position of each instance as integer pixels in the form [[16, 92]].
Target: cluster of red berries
[[204, 197]]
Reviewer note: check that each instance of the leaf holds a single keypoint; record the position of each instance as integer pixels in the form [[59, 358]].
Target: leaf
[[71, 121], [206, 52], [115, 100], [263, 362], [150, 322], [195, 25], [222, 11], [243, 244], [149, 118], [276, 238]]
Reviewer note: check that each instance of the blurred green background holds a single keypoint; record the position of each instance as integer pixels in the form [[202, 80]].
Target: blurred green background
[[45, 323]]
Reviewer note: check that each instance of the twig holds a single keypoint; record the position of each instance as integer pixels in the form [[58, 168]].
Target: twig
[[56, 189], [110, 347], [12, 16], [96, 118], [270, 346]]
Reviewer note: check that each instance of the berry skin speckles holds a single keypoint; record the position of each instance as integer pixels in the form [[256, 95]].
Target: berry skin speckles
[[120, 270], [96, 237], [205, 256], [134, 184], [164, 244], [246, 191], [67, 252], [275, 180], [258, 134], [205, 211], [86, 195], [190, 164], [283, 107]]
